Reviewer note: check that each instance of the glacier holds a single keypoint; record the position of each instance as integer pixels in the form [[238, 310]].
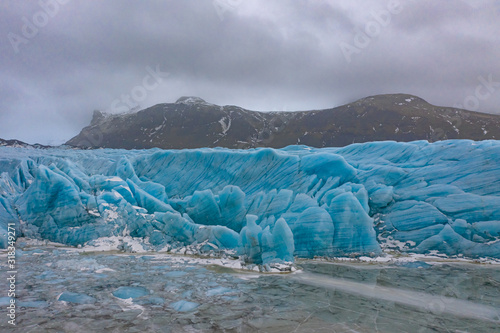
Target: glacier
[[263, 205]]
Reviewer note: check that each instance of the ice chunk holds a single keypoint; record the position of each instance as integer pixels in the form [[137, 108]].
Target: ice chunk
[[203, 208], [130, 292], [152, 301], [232, 207], [224, 237], [43, 304], [353, 226], [76, 298], [313, 233], [283, 242], [5, 300], [219, 291], [251, 240], [175, 274], [184, 306]]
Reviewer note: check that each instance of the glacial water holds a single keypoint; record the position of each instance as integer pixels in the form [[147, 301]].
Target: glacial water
[[62, 289]]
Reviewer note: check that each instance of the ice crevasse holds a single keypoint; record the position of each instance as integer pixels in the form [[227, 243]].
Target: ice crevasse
[[264, 205]]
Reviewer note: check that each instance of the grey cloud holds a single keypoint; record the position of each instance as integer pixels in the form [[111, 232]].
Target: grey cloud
[[267, 55]]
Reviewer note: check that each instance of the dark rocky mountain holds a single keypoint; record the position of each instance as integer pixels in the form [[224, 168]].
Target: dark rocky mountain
[[20, 144], [192, 123]]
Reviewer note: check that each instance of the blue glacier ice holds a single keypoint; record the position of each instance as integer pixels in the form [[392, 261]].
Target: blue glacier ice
[[184, 306], [130, 292], [76, 298], [220, 291], [263, 205]]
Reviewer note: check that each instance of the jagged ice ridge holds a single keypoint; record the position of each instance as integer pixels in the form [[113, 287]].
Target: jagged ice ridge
[[265, 205]]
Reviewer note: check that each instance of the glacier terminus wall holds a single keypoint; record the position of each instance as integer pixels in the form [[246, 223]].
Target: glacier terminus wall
[[264, 205]]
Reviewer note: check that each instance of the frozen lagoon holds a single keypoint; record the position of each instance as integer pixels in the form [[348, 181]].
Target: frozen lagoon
[[66, 290]]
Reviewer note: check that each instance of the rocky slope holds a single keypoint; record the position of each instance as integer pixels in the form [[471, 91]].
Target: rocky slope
[[192, 123], [20, 144]]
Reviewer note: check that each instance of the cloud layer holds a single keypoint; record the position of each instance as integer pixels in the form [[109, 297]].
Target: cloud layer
[[61, 59]]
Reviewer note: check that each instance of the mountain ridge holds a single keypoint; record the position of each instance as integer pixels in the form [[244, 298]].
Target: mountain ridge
[[191, 122], [21, 144]]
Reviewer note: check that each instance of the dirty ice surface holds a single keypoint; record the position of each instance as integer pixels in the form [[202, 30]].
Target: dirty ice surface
[[61, 289]]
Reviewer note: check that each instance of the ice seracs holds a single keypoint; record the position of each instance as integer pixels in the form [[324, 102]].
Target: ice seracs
[[265, 206]]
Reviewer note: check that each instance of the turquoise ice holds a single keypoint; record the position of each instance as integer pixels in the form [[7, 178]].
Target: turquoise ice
[[76, 298], [130, 292], [265, 205]]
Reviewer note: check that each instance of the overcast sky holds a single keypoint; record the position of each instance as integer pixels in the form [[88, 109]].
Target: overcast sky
[[60, 63]]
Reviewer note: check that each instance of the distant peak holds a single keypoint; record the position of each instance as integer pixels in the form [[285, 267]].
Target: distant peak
[[97, 117], [190, 100], [405, 98]]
